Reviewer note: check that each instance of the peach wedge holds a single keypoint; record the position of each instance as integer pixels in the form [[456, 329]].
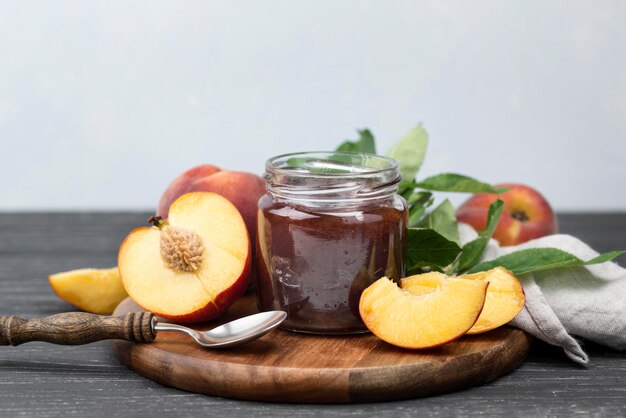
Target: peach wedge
[[97, 291], [427, 320], [191, 267], [505, 299], [505, 296]]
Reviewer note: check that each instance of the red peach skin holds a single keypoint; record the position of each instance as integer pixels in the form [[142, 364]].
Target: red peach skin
[[527, 214]]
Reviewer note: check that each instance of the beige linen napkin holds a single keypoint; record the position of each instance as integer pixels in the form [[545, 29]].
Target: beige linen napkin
[[588, 302]]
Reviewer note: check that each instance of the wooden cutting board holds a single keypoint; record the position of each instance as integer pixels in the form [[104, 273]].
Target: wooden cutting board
[[288, 367]]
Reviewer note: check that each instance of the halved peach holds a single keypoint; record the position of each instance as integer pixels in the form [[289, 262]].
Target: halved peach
[[505, 296], [97, 291], [426, 320], [191, 267]]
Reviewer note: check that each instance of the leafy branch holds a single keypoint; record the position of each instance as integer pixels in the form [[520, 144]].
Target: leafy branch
[[433, 236]]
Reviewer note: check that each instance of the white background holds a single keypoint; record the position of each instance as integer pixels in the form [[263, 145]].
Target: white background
[[102, 103]]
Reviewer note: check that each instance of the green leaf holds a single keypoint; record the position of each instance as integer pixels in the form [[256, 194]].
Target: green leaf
[[415, 215], [603, 258], [365, 143], [418, 202], [538, 259], [473, 250], [420, 198], [451, 182], [406, 188], [429, 248], [493, 216], [443, 220], [409, 152]]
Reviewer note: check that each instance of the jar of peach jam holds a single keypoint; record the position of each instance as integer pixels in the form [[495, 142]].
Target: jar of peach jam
[[330, 225]]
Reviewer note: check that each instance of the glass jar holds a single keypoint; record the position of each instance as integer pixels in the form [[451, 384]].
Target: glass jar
[[330, 225]]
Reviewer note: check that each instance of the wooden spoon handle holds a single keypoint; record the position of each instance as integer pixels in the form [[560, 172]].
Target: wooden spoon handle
[[74, 328]]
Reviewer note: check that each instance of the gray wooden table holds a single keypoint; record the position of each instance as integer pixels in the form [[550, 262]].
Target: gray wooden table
[[39, 379]]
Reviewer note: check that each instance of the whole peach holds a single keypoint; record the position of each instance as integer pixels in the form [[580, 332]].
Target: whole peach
[[527, 214], [182, 184], [242, 189]]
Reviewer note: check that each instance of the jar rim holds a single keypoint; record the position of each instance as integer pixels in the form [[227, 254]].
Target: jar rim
[[272, 165], [323, 177]]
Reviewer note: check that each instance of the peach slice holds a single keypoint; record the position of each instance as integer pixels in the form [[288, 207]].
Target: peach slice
[[505, 296], [428, 320], [97, 291], [192, 267], [505, 299]]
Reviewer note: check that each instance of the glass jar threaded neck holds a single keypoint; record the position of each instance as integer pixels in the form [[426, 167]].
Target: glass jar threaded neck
[[332, 178]]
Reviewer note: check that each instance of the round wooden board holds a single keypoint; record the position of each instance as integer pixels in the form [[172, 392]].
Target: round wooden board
[[288, 367]]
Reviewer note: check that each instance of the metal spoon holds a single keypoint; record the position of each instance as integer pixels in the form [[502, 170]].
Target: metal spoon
[[232, 333], [74, 328]]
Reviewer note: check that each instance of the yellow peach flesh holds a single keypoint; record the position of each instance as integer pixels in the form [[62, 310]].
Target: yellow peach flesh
[[422, 321], [225, 259], [505, 299], [97, 291], [505, 296]]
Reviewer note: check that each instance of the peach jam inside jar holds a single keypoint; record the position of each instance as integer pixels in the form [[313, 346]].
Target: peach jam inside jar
[[330, 224]]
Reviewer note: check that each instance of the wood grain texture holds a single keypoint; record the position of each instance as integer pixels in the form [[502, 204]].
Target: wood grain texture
[[44, 380], [76, 328], [290, 367]]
